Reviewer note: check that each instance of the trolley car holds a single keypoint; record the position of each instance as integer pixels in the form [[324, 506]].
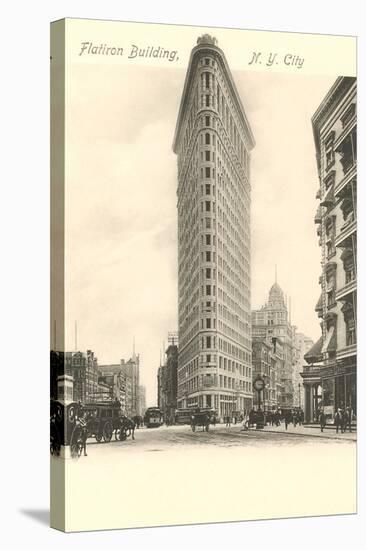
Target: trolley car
[[153, 417]]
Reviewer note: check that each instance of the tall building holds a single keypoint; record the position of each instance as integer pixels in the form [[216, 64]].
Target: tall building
[[268, 364], [330, 376], [271, 323], [167, 384], [142, 397], [213, 141], [302, 345]]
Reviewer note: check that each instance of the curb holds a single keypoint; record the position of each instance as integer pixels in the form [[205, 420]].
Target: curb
[[302, 434]]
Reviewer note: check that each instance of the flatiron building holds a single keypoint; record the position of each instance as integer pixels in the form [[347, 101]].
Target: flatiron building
[[212, 141]]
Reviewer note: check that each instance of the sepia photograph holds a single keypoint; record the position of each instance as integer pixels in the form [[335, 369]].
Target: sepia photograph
[[203, 275]]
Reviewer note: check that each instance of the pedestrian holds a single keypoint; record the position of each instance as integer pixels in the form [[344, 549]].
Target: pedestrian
[[348, 419], [338, 420], [81, 422], [343, 421], [301, 417], [287, 419], [322, 420], [294, 419]]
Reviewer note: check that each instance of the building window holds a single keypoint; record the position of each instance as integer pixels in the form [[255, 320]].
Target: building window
[[349, 269], [208, 239], [348, 115], [350, 329], [208, 290], [208, 255], [208, 188], [208, 272], [208, 358], [329, 151], [207, 155], [208, 206], [208, 342], [208, 323], [208, 172], [207, 120], [207, 61], [207, 80], [331, 298], [207, 139], [329, 158]]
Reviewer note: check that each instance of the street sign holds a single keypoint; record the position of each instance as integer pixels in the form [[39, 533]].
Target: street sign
[[259, 384]]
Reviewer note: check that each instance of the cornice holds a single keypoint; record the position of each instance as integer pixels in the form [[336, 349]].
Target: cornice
[[200, 51]]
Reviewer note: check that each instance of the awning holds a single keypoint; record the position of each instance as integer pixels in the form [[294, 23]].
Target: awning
[[319, 304], [329, 342], [328, 200], [314, 355]]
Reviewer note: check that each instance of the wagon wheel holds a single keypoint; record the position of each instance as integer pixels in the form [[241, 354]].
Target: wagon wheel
[[117, 434], [99, 437], [76, 442], [107, 432]]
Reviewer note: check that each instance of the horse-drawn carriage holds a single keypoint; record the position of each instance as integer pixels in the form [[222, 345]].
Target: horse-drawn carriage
[[202, 418], [105, 418], [72, 424], [65, 429]]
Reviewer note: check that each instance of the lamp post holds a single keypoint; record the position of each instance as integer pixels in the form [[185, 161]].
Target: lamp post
[[299, 385]]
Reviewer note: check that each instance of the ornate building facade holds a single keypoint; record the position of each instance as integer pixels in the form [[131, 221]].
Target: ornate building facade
[[271, 324], [167, 384], [213, 141], [330, 376]]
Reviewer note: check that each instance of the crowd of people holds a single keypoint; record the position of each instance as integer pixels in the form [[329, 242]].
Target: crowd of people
[[342, 419], [276, 417]]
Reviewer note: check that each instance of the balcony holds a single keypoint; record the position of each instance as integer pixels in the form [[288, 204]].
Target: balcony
[[345, 132], [348, 351], [346, 233], [346, 290], [328, 200], [341, 186], [318, 215]]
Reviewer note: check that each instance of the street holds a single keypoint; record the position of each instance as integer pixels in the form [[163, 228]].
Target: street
[[170, 476], [167, 438]]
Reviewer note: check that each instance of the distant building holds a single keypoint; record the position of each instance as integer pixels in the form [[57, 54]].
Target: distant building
[[213, 141], [271, 324], [142, 395], [302, 345], [167, 384], [124, 378], [330, 376], [268, 364], [116, 381], [83, 367]]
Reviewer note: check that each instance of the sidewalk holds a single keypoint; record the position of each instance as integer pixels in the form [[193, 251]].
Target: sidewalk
[[308, 431]]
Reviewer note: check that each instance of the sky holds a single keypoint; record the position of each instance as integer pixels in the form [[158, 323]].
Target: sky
[[121, 216]]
